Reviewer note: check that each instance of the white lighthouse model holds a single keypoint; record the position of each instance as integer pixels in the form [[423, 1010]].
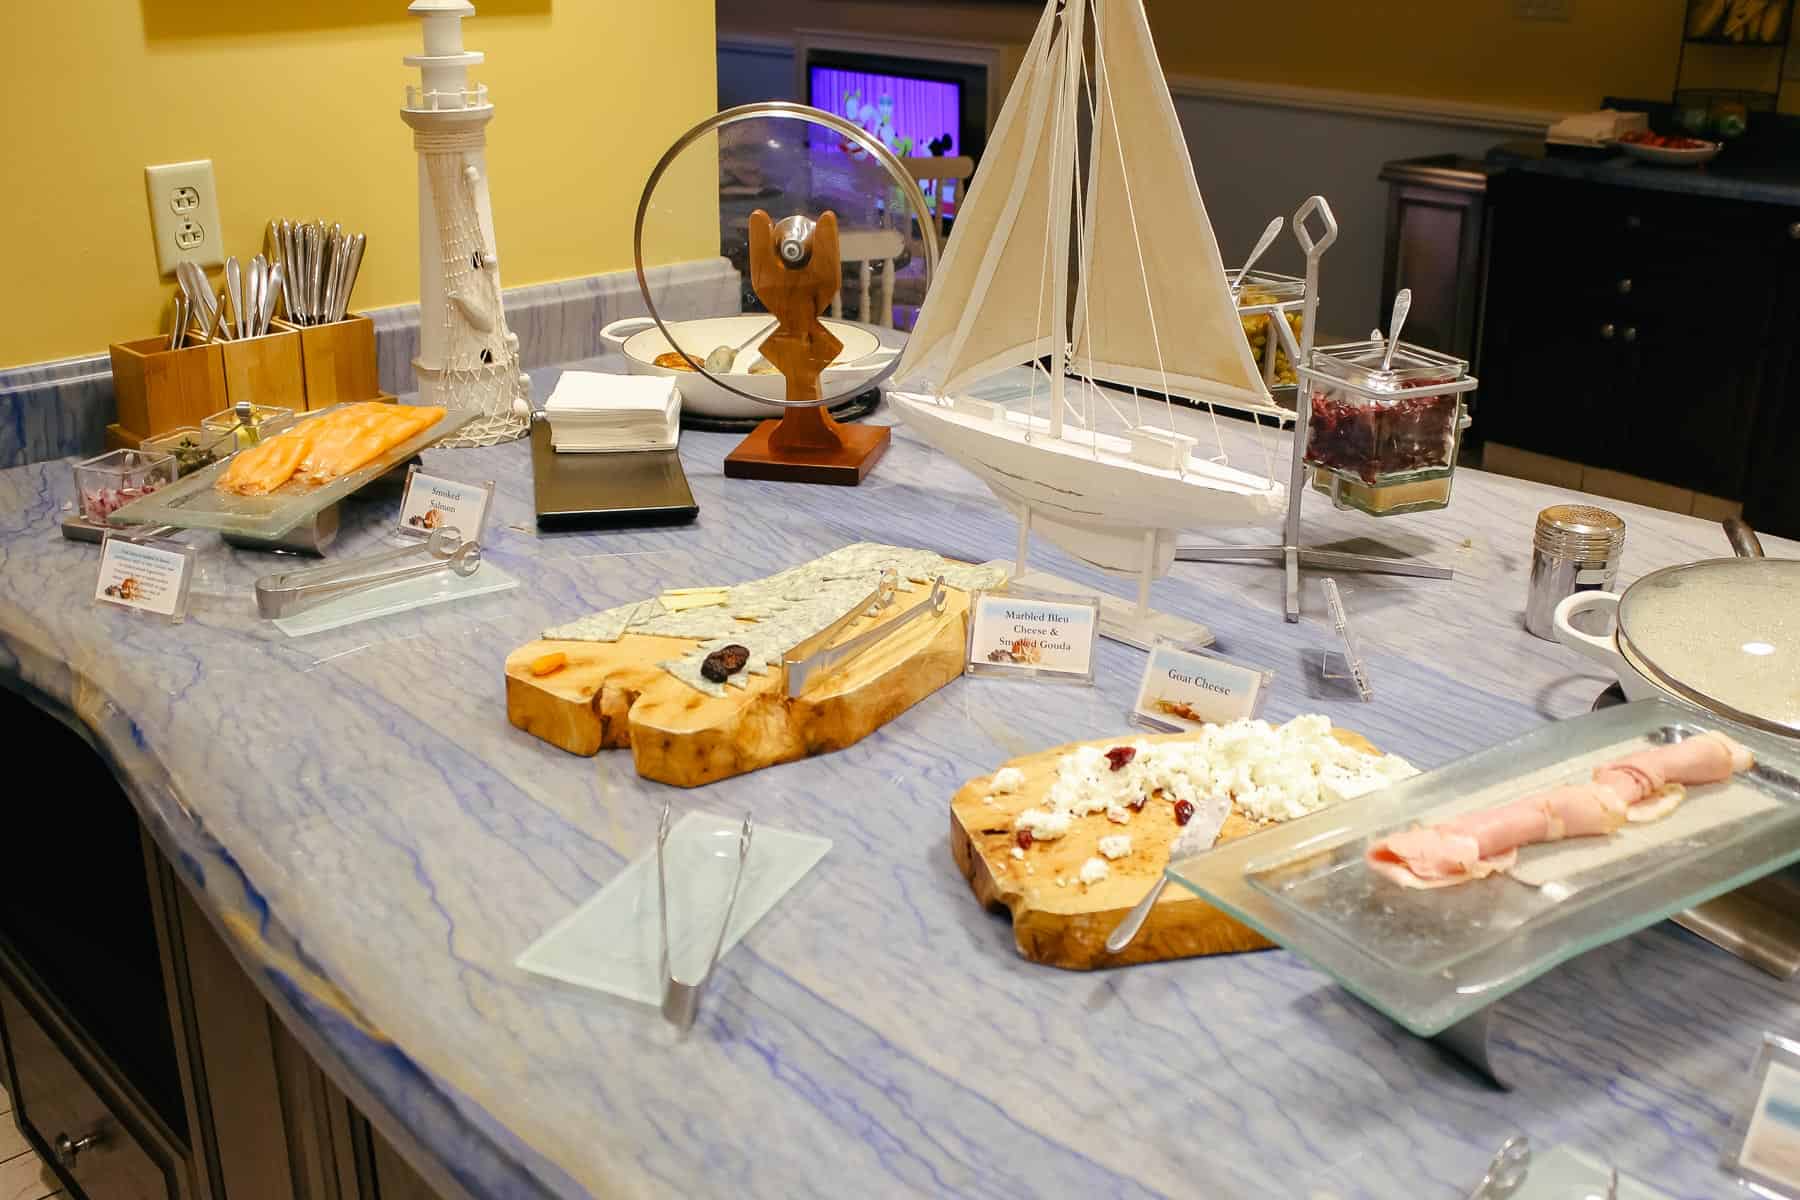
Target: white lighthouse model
[[468, 359]]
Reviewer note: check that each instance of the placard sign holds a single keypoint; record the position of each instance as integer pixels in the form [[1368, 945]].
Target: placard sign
[[432, 502], [149, 575], [1015, 633], [1764, 1151], [1185, 688]]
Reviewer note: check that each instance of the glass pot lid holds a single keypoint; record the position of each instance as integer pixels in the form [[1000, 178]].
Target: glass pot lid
[[794, 163], [1724, 633]]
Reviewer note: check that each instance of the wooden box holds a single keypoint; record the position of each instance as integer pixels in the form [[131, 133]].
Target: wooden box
[[158, 388], [265, 370], [338, 361]]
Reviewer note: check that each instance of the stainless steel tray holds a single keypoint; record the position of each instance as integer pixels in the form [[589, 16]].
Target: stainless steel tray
[[192, 503], [1428, 959]]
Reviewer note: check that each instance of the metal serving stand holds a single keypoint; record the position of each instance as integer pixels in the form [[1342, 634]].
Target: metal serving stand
[[1290, 552]]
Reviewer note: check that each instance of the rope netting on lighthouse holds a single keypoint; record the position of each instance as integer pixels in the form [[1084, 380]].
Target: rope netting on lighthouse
[[480, 371]]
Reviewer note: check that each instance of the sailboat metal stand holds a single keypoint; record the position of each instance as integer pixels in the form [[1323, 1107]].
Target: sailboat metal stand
[[1290, 553]]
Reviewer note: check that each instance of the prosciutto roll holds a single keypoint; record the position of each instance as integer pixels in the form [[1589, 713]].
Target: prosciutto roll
[[1638, 787]]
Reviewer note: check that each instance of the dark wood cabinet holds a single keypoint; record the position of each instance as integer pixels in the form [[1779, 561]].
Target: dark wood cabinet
[[1644, 332]]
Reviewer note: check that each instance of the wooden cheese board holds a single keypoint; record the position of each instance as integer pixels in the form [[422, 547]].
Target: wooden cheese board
[[1066, 926], [614, 696]]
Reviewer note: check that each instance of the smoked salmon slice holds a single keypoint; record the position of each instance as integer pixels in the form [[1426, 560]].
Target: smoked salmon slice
[[325, 447], [261, 469]]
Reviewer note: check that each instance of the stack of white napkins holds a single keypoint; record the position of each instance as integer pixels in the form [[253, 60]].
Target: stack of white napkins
[[594, 411], [1595, 128]]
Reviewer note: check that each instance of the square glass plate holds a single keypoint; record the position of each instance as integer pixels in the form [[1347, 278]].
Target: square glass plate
[[613, 943], [191, 502], [1428, 959]]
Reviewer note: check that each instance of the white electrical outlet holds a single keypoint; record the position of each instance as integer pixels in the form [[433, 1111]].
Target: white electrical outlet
[[184, 214]]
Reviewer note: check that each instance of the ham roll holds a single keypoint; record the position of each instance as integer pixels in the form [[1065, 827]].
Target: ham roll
[[1639, 787]]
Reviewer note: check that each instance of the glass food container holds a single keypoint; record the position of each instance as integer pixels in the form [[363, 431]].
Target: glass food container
[[1380, 441], [268, 419], [118, 477], [191, 447], [1263, 296]]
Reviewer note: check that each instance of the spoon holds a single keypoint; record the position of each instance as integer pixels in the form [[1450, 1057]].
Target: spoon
[[234, 288], [1402, 306], [723, 358], [1267, 239], [1127, 929]]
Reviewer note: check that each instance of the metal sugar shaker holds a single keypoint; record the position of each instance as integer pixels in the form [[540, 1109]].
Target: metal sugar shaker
[[1575, 548]]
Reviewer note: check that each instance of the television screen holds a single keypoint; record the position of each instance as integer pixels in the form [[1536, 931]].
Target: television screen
[[910, 116]]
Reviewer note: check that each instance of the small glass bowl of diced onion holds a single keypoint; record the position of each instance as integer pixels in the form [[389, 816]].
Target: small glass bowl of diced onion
[[106, 483]]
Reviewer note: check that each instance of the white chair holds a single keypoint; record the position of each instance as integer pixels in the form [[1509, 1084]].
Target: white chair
[[869, 247], [940, 171]]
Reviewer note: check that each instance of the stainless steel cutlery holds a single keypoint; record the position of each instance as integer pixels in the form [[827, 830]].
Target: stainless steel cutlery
[[319, 265]]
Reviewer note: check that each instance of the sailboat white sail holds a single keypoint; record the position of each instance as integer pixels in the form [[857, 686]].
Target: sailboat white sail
[[1151, 309]]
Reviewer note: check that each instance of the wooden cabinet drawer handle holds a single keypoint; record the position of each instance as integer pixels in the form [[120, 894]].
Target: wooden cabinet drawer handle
[[1624, 287], [1794, 231], [1630, 333], [1606, 332], [68, 1149]]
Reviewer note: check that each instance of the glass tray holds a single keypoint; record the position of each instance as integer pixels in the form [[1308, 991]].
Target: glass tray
[[1428, 959], [191, 502]]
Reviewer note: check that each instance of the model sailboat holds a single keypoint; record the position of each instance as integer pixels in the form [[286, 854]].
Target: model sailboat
[[1151, 309]]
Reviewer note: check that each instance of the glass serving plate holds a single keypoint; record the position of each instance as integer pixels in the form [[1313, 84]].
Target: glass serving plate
[[192, 503], [1428, 959]]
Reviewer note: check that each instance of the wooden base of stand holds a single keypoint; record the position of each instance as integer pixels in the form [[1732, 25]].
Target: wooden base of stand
[[849, 453]]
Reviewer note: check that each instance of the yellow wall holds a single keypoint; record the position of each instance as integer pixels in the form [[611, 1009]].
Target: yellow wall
[[297, 104], [1473, 51]]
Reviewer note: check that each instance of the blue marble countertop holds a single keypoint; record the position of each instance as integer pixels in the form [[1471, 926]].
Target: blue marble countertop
[[384, 843], [1766, 182]]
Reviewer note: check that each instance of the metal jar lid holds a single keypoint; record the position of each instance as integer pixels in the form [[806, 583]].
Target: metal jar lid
[[1579, 531]]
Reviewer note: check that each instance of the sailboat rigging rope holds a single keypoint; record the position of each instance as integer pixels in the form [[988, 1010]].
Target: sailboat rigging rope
[[1088, 316], [1143, 269]]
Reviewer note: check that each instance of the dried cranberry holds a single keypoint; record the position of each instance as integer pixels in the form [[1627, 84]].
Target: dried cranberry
[[1118, 756], [725, 662], [1184, 812], [1023, 837]]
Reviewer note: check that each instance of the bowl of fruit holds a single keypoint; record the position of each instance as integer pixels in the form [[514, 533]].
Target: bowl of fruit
[[1668, 149]]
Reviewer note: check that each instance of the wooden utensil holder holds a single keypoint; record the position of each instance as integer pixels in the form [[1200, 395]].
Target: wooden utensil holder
[[265, 370], [157, 388], [338, 361]]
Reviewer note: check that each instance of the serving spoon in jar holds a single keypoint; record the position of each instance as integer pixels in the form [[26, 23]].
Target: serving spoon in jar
[[1402, 306], [1263, 243]]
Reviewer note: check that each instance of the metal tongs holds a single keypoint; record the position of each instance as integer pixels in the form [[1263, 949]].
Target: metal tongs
[[288, 592], [816, 655], [681, 1001]]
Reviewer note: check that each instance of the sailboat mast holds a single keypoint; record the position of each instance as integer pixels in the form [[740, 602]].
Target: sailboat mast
[[1062, 213]]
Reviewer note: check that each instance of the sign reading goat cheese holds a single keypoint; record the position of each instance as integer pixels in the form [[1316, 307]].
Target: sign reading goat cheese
[[432, 502], [1185, 689], [1021, 634]]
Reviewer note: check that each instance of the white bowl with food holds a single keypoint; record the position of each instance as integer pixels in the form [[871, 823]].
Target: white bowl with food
[[649, 352], [1671, 151]]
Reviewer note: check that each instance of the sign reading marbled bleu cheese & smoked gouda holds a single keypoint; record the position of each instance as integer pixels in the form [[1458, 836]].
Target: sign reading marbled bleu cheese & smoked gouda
[[1027, 635]]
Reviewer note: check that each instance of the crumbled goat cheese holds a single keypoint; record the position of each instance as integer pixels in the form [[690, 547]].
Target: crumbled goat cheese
[[1118, 814], [1117, 846], [1272, 773], [1044, 826], [1094, 870], [1018, 852], [1008, 779]]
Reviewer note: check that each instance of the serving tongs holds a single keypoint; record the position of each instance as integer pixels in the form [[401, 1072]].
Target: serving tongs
[[288, 592], [681, 1000], [816, 655]]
